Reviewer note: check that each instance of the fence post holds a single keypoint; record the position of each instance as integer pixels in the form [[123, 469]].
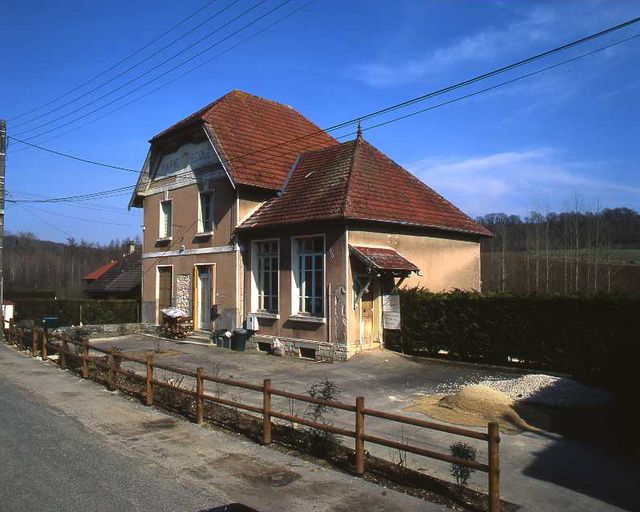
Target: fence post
[[111, 375], [266, 412], [34, 341], [63, 351], [199, 399], [494, 467], [85, 358], [43, 337], [359, 435], [149, 379]]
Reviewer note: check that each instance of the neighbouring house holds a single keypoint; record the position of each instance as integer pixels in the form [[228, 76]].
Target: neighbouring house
[[117, 279], [252, 214]]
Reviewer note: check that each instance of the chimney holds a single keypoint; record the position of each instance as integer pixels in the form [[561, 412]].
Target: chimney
[[132, 246]]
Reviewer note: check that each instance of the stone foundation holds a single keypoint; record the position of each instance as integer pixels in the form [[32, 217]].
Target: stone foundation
[[102, 331], [318, 351]]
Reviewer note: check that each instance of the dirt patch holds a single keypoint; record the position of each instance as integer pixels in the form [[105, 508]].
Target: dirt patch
[[256, 471], [163, 424], [142, 354], [473, 406]]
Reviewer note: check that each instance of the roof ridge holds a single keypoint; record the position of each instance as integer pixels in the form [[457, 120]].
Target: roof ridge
[[421, 184], [356, 144]]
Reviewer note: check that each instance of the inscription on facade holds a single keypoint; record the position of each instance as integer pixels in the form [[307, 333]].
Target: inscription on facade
[[189, 157]]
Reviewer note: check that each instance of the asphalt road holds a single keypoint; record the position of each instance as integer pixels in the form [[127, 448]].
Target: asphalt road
[[48, 462]]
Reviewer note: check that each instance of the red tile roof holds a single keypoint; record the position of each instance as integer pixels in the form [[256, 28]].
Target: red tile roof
[[242, 125], [355, 181], [382, 258], [97, 274]]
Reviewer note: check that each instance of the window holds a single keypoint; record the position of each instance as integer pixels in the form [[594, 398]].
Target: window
[[309, 275], [266, 275], [165, 219], [205, 212]]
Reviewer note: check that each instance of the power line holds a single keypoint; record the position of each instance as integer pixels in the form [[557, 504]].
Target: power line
[[31, 212], [81, 219], [125, 84], [122, 61], [111, 209], [73, 157], [180, 76], [380, 112], [134, 66]]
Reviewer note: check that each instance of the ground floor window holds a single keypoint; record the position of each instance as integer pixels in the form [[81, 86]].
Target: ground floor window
[[308, 259], [266, 275]]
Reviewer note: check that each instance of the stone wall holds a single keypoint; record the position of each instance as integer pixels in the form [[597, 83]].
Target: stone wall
[[183, 292], [102, 331], [322, 351]]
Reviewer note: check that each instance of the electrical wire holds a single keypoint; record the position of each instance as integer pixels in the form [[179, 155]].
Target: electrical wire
[[81, 219], [122, 61], [180, 76], [73, 157], [178, 66], [371, 115]]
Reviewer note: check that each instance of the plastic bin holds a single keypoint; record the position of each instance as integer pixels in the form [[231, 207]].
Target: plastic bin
[[221, 339], [239, 339]]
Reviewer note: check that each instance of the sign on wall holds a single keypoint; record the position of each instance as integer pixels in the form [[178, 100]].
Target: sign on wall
[[391, 312], [189, 157]]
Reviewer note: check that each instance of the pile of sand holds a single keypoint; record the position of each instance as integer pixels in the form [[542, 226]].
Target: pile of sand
[[473, 406]]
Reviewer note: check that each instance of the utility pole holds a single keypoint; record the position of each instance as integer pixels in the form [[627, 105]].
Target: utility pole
[[3, 157]]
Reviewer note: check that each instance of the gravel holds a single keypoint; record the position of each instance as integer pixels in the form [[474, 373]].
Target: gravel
[[548, 390]]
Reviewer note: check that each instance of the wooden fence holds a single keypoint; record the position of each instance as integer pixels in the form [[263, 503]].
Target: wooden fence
[[41, 344]]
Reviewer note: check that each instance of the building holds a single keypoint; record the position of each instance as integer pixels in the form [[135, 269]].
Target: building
[[117, 279], [250, 210]]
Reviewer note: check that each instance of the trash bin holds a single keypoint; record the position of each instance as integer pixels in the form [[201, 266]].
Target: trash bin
[[239, 339], [223, 338]]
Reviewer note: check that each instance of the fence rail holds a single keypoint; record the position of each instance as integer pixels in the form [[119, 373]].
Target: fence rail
[[40, 343]]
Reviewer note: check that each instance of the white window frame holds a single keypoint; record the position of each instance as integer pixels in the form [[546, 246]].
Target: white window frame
[[201, 230], [162, 234], [255, 291], [295, 273]]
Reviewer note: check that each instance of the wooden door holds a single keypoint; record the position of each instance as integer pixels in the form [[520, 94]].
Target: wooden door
[[165, 278], [367, 315]]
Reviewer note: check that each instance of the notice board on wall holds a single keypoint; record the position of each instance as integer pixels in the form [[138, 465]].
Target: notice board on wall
[[391, 312]]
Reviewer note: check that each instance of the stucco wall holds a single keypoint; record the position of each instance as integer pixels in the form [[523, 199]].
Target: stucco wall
[[444, 263], [335, 284]]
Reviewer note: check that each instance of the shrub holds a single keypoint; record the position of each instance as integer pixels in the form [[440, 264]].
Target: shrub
[[322, 443], [590, 337], [462, 473], [94, 311]]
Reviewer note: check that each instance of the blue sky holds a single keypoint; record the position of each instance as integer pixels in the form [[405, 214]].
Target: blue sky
[[538, 143]]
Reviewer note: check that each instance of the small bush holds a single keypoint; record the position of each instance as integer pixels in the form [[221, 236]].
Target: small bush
[[461, 473], [320, 442]]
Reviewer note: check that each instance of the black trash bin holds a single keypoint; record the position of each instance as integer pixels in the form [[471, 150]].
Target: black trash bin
[[50, 322], [222, 340], [239, 339]]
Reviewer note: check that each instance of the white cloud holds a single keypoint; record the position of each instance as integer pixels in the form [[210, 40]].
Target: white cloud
[[531, 29], [517, 181]]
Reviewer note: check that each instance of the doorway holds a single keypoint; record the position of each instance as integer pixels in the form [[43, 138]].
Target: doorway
[[165, 280], [204, 296], [367, 291]]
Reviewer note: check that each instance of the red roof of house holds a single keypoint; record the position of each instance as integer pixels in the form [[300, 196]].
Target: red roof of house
[[245, 128], [355, 181], [383, 258], [97, 274]]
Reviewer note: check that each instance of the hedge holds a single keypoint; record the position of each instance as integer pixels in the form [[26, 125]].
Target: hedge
[[594, 338], [94, 312]]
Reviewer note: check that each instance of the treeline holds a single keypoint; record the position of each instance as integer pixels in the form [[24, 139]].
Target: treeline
[[33, 264], [566, 253]]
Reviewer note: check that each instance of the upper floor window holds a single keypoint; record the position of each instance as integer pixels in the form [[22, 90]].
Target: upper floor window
[[266, 275], [205, 212], [308, 266], [166, 219]]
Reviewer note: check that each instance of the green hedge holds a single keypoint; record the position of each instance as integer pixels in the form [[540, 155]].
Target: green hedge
[[68, 310], [594, 338]]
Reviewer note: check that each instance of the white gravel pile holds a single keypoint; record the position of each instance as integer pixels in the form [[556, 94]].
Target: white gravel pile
[[547, 390]]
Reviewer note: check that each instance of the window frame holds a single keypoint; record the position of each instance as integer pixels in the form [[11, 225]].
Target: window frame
[[162, 226], [200, 228], [297, 291], [255, 278]]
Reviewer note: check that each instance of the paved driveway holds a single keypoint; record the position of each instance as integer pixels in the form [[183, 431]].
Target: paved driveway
[[539, 472]]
